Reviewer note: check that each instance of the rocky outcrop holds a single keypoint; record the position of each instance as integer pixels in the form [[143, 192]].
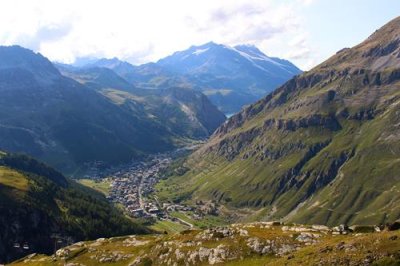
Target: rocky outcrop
[[383, 50], [290, 178], [231, 146], [323, 178], [276, 98], [266, 242]]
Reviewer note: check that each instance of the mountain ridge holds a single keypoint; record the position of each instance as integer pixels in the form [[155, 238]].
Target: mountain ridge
[[230, 77]]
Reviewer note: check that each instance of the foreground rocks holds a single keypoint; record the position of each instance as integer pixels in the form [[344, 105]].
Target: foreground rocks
[[269, 243]]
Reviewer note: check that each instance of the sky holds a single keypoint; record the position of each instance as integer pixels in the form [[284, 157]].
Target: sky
[[305, 32]]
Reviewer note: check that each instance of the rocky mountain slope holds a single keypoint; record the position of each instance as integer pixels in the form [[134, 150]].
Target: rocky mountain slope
[[239, 244], [323, 148], [69, 124], [40, 208], [183, 112], [230, 76]]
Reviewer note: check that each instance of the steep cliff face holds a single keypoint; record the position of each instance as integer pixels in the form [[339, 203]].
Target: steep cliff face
[[323, 148]]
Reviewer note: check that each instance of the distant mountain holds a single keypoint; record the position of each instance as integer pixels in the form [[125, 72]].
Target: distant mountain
[[69, 124], [283, 69], [146, 76], [183, 112], [197, 108], [230, 76], [83, 61], [222, 61], [96, 77], [120, 67], [323, 148], [38, 203]]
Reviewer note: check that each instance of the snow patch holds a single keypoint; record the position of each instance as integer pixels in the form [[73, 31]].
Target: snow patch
[[254, 58], [200, 51]]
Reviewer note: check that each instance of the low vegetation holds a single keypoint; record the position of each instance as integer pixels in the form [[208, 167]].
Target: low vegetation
[[100, 185], [238, 244]]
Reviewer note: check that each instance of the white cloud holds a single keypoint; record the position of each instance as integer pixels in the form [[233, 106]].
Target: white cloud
[[142, 31], [306, 2]]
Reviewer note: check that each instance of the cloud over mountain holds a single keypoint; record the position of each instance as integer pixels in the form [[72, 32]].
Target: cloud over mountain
[[147, 31]]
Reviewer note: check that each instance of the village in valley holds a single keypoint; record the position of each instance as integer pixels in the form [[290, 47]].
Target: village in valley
[[132, 189], [131, 186]]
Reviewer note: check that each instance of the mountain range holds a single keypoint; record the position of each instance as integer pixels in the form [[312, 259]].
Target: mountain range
[[323, 148], [182, 111], [69, 124], [307, 174], [231, 77]]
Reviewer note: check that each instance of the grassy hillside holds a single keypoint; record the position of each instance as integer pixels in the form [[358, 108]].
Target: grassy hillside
[[103, 185], [37, 203], [323, 148], [240, 244]]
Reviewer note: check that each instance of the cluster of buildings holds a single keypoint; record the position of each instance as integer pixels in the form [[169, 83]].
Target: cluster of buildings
[[132, 187], [125, 190]]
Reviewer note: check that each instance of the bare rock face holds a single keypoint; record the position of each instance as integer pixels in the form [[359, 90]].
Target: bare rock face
[[218, 233], [133, 242], [210, 255], [63, 253], [341, 230], [308, 238], [383, 50]]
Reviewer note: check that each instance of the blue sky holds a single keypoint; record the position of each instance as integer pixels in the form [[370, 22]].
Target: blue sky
[[303, 31], [335, 24]]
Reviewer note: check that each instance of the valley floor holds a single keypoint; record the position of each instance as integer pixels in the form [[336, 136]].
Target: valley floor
[[131, 187]]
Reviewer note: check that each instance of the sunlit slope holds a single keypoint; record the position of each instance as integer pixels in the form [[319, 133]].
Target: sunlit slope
[[323, 148]]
